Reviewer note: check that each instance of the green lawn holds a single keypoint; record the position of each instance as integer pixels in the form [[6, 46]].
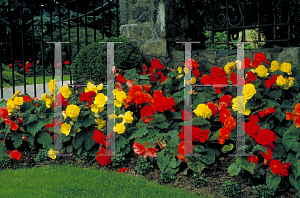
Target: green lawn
[[71, 181]]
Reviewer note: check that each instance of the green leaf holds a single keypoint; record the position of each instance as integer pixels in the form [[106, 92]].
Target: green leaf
[[278, 152], [215, 136], [139, 133], [34, 127], [175, 115], [260, 148], [77, 125], [89, 142], [275, 93], [234, 169], [3, 148], [194, 163], [144, 77], [158, 118], [153, 132], [294, 182], [162, 160], [78, 141], [164, 125], [69, 148], [41, 115], [174, 142], [185, 171], [17, 140], [227, 148], [200, 121], [45, 139], [172, 163], [290, 137], [273, 181], [7, 129], [87, 122], [121, 142], [279, 115], [65, 138], [32, 118], [243, 162]]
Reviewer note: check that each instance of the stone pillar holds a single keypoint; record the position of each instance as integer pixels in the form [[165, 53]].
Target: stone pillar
[[143, 23]]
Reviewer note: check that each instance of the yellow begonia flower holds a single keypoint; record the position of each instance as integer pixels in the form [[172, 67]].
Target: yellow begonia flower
[[118, 103], [229, 67], [64, 114], [179, 70], [51, 86], [203, 110], [52, 153], [286, 67], [92, 87], [120, 128], [65, 92], [249, 91], [281, 80], [234, 104], [120, 96], [16, 94], [100, 100], [72, 111], [100, 122], [18, 100], [193, 80], [186, 70], [240, 105], [44, 96], [65, 129], [274, 66], [261, 71], [48, 102], [128, 118], [10, 106]]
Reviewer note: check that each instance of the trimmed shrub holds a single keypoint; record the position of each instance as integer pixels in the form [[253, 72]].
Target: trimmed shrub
[[90, 64], [7, 77]]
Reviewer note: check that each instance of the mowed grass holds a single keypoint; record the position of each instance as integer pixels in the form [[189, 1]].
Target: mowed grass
[[71, 181]]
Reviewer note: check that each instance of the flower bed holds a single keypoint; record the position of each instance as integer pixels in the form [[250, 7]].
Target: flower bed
[[150, 119]]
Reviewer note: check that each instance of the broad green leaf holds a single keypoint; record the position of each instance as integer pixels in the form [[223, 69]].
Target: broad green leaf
[[279, 115], [78, 141], [243, 162], [164, 125], [69, 148], [77, 125], [162, 160], [290, 137], [275, 93], [294, 182], [7, 129], [227, 148], [17, 140], [273, 181], [139, 133], [34, 127], [45, 139], [121, 142], [158, 118], [185, 171], [153, 132], [200, 121], [41, 115], [278, 152], [175, 115], [172, 163], [234, 169], [215, 136], [87, 122], [260, 148], [89, 142], [194, 163], [3, 149]]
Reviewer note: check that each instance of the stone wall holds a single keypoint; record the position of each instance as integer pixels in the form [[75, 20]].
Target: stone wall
[[154, 26]]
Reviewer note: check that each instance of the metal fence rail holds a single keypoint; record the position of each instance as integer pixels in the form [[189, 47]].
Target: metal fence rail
[[47, 22], [231, 16]]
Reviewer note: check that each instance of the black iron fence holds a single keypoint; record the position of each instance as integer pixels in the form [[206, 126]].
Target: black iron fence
[[276, 19], [27, 25]]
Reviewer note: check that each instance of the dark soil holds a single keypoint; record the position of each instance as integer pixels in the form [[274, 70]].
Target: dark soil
[[216, 175]]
